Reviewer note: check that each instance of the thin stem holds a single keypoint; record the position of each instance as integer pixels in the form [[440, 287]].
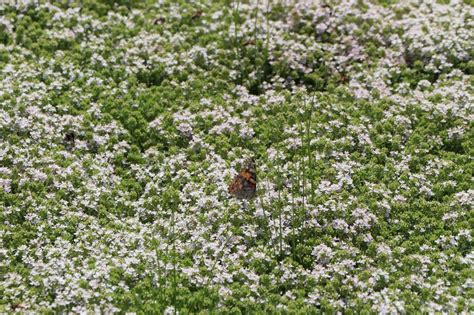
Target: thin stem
[[303, 166], [280, 213], [236, 25], [294, 218], [257, 67], [236, 31], [255, 24], [309, 152], [262, 204], [159, 277], [174, 256], [268, 26]]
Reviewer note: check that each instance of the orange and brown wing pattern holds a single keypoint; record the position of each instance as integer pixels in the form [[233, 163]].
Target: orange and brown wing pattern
[[244, 184]]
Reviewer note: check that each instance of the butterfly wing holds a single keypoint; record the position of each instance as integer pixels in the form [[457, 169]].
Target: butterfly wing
[[244, 185]]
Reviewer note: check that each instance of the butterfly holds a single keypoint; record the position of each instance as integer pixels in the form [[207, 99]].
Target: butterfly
[[159, 20], [244, 184], [17, 306], [196, 15], [69, 139]]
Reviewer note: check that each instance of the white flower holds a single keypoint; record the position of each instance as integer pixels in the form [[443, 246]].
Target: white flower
[[5, 184], [170, 310]]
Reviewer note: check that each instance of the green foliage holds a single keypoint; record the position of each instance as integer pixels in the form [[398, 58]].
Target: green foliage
[[358, 196]]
